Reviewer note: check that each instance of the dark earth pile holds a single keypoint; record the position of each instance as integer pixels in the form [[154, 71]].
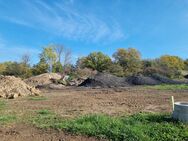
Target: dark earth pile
[[154, 79], [166, 80], [104, 80], [142, 80], [108, 80]]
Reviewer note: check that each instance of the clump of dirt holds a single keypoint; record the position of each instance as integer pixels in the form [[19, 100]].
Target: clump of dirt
[[43, 79], [104, 80], [12, 87]]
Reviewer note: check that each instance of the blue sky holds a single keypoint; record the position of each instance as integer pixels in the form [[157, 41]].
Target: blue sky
[[154, 27]]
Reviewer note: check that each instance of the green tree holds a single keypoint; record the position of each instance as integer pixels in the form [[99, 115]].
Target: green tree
[[57, 67], [116, 69], [2, 68], [40, 68], [80, 63], [171, 65], [172, 62], [17, 69], [96, 61], [129, 59], [49, 55]]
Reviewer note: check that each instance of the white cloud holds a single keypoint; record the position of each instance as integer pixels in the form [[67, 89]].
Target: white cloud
[[64, 20]]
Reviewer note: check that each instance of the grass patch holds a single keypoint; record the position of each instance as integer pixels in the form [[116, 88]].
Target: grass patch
[[139, 127], [5, 119], [134, 128], [37, 98], [2, 104], [169, 87], [45, 119]]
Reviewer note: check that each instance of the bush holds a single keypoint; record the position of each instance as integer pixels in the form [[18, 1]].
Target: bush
[[57, 67], [171, 65], [163, 66], [17, 69], [116, 69], [40, 68]]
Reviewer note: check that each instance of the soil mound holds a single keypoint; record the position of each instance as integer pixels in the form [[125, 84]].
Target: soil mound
[[154, 79], [142, 80], [108, 80], [43, 79], [104, 80], [12, 87], [166, 80]]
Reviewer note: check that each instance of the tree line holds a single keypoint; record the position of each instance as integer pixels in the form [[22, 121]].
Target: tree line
[[124, 62]]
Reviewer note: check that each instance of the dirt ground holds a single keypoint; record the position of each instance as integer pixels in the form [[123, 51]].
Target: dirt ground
[[28, 133], [74, 102]]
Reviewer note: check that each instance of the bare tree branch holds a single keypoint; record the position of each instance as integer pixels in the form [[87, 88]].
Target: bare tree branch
[[59, 51], [67, 56], [25, 58]]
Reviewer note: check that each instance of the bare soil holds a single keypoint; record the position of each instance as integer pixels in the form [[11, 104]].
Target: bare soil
[[73, 102], [28, 133]]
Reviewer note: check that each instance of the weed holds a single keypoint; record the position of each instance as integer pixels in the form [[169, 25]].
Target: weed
[[5, 119]]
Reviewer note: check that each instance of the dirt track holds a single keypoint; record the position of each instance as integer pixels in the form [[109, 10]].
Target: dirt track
[[73, 102]]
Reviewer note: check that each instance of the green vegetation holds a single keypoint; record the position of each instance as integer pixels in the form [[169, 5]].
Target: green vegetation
[[8, 118], [96, 61], [49, 55], [169, 87], [134, 128], [129, 59], [45, 119], [5, 118], [2, 104], [137, 127], [123, 62], [37, 98]]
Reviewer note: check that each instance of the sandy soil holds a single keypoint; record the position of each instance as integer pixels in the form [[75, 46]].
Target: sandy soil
[[73, 102]]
